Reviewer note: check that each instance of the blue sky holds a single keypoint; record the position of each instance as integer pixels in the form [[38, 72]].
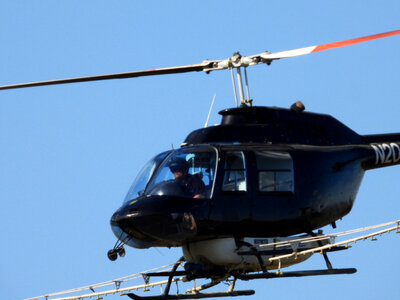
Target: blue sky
[[69, 153]]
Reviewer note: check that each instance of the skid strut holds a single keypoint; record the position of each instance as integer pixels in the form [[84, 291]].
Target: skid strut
[[255, 252], [194, 293], [328, 263]]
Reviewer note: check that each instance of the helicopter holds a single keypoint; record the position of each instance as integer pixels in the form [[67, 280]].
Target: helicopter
[[261, 177]]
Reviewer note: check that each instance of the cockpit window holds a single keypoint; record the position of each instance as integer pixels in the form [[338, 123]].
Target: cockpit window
[[275, 171], [234, 172], [187, 172], [139, 185]]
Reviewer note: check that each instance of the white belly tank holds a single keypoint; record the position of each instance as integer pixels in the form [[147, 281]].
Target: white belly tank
[[236, 254]]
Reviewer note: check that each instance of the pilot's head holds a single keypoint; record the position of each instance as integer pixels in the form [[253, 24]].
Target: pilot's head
[[179, 167]]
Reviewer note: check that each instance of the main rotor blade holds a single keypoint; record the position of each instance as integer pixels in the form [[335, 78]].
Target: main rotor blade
[[236, 61], [171, 70], [317, 48]]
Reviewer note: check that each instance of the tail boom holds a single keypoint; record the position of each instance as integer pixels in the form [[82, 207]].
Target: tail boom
[[385, 150]]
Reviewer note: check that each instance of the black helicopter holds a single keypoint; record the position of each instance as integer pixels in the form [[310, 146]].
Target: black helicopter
[[263, 172]]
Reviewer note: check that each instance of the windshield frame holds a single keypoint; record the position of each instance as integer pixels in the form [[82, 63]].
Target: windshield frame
[[153, 164]]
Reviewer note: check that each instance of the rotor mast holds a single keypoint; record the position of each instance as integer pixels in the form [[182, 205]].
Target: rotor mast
[[237, 57]]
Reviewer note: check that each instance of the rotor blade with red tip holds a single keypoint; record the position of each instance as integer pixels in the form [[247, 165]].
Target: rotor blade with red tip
[[208, 65], [312, 49]]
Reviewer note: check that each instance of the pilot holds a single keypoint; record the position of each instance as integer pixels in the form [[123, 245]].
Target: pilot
[[192, 185]]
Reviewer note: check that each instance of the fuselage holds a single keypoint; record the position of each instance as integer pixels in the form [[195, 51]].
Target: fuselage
[[254, 187]]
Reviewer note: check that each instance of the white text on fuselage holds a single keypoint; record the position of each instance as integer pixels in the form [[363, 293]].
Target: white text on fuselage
[[386, 153]]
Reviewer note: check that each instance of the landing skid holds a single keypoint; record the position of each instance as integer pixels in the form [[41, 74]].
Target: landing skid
[[295, 274], [231, 292], [195, 292], [195, 296]]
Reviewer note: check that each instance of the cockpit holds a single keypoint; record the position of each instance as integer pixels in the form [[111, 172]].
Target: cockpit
[[190, 172], [243, 182], [186, 172]]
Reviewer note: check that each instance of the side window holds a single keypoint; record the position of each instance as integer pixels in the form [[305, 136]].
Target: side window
[[275, 172], [234, 172]]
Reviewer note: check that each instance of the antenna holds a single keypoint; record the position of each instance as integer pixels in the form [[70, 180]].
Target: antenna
[[209, 112]]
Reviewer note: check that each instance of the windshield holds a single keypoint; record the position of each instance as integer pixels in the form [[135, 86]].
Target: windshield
[[139, 184], [187, 172]]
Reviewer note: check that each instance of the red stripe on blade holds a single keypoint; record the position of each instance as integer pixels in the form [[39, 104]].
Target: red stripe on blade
[[354, 41]]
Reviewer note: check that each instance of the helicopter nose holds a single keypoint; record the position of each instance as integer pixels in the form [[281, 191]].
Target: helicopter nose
[[162, 220], [122, 225], [126, 221], [123, 219]]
